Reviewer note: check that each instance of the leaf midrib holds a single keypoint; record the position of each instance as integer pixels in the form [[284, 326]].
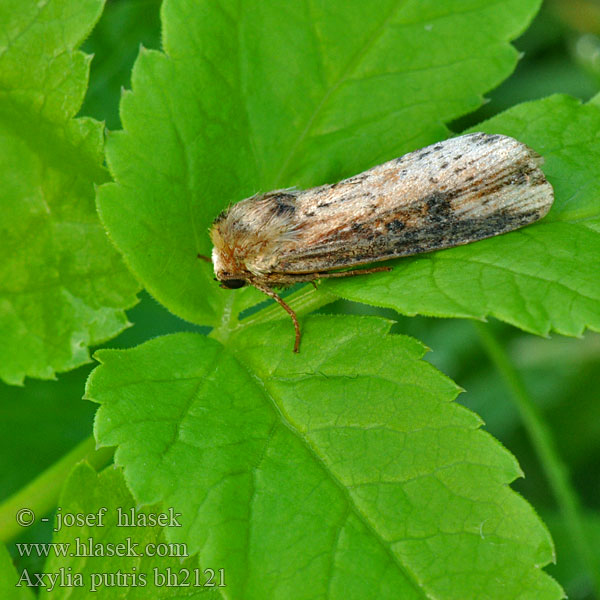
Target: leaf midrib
[[343, 76], [283, 421]]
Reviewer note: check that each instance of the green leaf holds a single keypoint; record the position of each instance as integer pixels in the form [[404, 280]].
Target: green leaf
[[541, 278], [332, 466], [115, 43], [62, 285], [251, 96], [101, 498], [9, 578]]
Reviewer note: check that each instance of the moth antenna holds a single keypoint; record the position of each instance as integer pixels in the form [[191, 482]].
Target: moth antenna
[[269, 292], [204, 257]]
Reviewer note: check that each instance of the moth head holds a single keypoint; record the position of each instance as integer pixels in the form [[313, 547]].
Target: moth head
[[228, 272], [244, 236]]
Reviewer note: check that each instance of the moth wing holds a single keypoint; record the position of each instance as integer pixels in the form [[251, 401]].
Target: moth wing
[[458, 191]]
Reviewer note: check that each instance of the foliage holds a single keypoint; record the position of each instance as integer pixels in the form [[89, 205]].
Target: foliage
[[345, 471], [63, 287]]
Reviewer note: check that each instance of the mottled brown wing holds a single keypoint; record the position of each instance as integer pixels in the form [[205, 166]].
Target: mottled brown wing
[[448, 194]]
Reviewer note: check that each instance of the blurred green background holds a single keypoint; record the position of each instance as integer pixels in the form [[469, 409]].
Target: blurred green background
[[561, 54]]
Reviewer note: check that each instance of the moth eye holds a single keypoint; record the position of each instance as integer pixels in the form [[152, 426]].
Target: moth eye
[[233, 284]]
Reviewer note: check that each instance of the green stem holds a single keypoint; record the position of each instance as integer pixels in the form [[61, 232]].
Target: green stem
[[541, 439], [222, 331], [303, 301], [41, 494]]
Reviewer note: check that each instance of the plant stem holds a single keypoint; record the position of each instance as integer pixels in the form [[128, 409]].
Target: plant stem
[[303, 301], [543, 444], [41, 494]]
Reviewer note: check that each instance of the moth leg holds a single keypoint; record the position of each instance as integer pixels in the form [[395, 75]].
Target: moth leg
[[313, 277], [352, 272], [269, 292], [314, 284], [203, 257]]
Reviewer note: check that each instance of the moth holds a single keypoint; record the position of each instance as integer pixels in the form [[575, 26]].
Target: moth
[[451, 193]]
